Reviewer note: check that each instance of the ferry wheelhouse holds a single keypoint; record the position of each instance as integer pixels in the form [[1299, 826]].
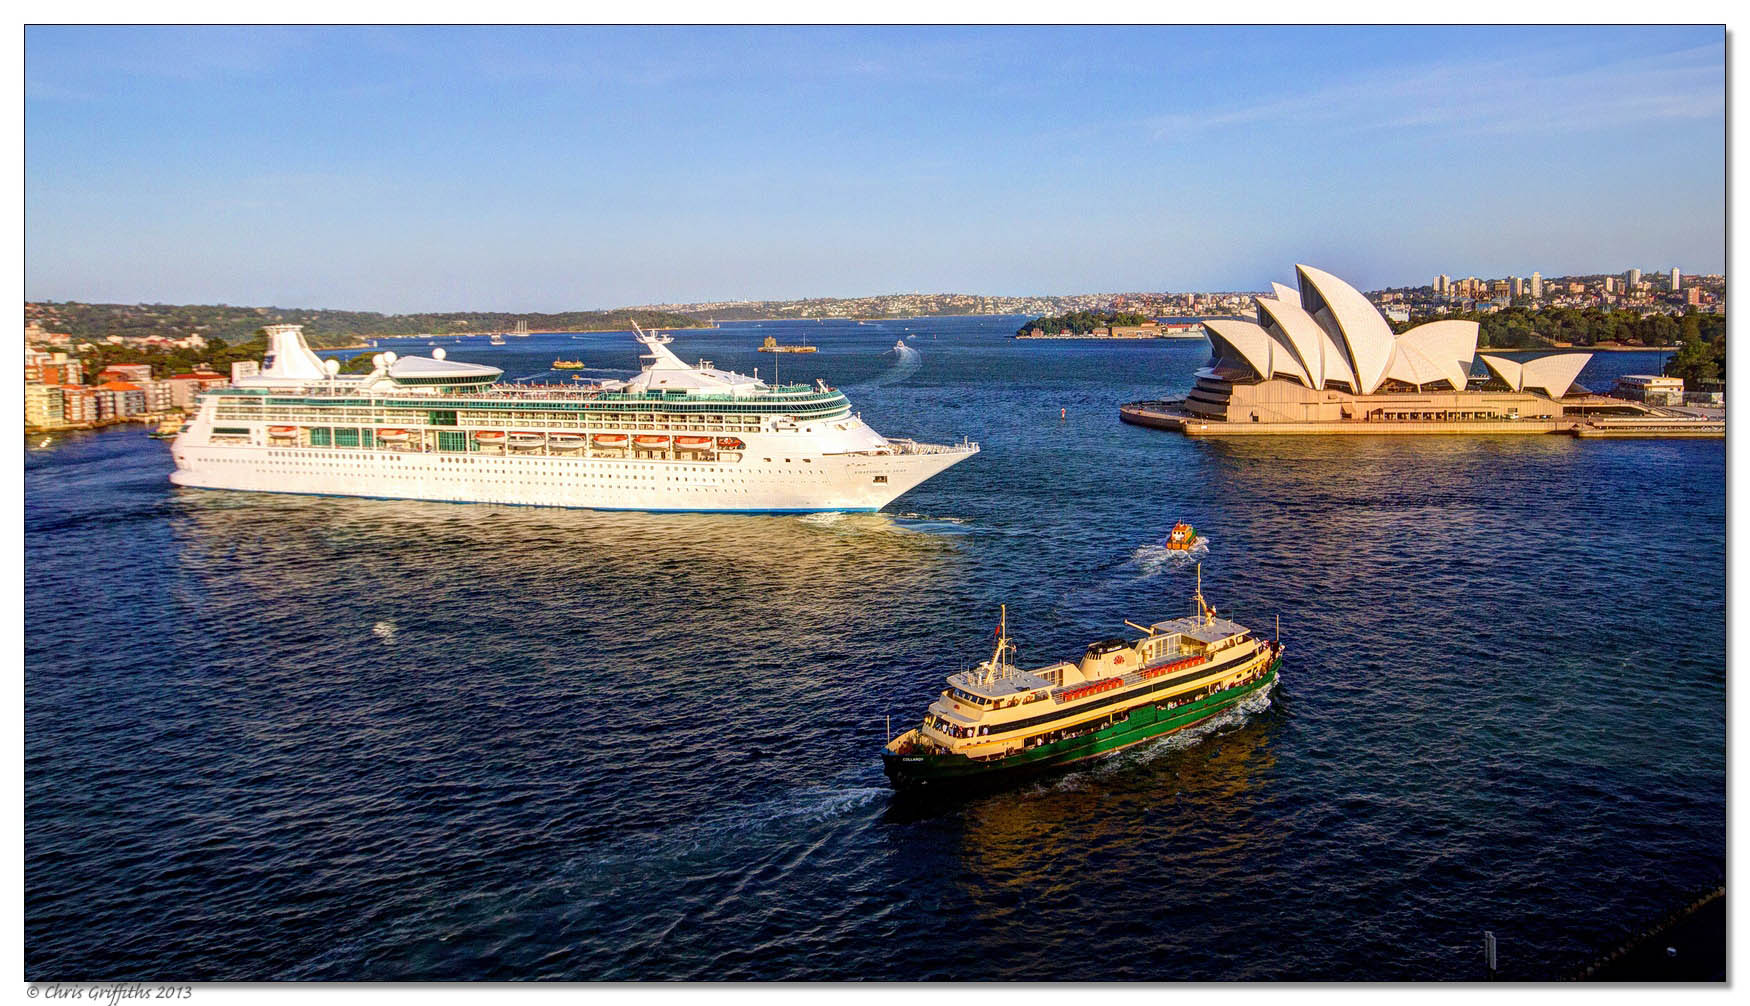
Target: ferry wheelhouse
[[676, 437]]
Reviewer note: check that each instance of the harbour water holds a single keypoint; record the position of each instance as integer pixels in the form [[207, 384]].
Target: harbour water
[[281, 737]]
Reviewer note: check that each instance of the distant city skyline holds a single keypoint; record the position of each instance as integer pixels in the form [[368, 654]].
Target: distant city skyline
[[405, 170]]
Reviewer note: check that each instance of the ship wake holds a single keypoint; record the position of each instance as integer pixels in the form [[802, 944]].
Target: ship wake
[[1151, 560], [906, 363]]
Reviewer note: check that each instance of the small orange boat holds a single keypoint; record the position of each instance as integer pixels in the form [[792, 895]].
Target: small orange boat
[[1183, 538], [692, 443]]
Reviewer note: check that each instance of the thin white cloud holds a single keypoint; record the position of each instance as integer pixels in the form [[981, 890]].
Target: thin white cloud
[[1496, 96]]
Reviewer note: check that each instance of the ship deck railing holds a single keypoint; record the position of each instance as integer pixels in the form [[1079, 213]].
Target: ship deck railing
[[532, 392], [907, 446]]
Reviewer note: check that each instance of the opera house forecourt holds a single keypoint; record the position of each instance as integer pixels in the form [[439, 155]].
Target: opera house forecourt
[[1322, 359]]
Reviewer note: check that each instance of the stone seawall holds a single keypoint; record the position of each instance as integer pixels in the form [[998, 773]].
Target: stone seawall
[[1141, 414]]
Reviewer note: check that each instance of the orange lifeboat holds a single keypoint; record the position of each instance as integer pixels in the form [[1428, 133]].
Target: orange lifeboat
[[1183, 538], [281, 431], [490, 437], [393, 436], [650, 440], [610, 439], [692, 443]]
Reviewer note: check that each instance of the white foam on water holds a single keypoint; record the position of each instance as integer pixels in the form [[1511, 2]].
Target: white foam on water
[[384, 630], [821, 805], [1152, 560], [930, 519], [907, 362]]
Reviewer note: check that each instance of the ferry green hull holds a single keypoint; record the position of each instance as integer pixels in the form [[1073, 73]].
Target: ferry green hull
[[951, 771]]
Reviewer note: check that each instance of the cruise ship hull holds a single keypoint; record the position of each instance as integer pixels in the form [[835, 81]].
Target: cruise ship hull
[[865, 481], [948, 772]]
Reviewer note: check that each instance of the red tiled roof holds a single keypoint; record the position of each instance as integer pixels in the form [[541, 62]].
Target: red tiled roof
[[119, 386]]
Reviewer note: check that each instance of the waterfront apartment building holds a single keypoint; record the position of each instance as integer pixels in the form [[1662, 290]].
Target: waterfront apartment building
[[131, 373], [119, 399], [42, 367], [1536, 286], [160, 395], [78, 404], [42, 406], [184, 388]]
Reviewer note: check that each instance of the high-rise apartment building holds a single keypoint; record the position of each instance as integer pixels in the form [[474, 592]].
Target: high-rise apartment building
[[1632, 278], [1676, 278], [1537, 286]]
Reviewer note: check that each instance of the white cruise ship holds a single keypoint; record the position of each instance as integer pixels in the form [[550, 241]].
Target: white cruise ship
[[676, 437]]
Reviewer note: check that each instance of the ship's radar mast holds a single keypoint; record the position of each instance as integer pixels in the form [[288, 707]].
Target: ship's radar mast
[[994, 666], [1205, 613]]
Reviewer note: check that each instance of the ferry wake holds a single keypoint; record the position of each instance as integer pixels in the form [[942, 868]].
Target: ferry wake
[[676, 437], [998, 722]]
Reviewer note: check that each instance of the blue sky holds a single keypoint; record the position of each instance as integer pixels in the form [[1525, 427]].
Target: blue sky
[[554, 169]]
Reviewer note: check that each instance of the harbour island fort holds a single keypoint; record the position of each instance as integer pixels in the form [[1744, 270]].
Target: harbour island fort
[[1320, 358]]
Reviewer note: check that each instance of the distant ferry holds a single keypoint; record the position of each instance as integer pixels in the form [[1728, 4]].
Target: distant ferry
[[568, 365], [771, 346], [675, 437], [997, 721]]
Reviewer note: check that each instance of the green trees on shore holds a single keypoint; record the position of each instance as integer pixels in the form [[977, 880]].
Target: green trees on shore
[[1538, 328], [1700, 358], [165, 362], [1701, 355], [1081, 322]]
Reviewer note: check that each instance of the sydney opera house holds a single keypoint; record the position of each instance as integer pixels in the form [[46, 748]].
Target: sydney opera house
[[1323, 354]]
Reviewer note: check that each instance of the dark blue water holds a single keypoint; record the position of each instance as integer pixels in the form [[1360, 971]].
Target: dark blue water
[[275, 737]]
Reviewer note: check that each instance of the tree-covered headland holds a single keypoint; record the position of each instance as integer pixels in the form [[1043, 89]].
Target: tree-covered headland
[[322, 328], [1081, 322]]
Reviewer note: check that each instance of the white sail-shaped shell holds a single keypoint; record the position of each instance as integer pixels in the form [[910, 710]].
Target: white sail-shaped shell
[[1553, 375], [1340, 307]]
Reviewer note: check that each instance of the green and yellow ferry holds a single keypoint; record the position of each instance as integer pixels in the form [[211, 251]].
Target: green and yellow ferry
[[998, 721]]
